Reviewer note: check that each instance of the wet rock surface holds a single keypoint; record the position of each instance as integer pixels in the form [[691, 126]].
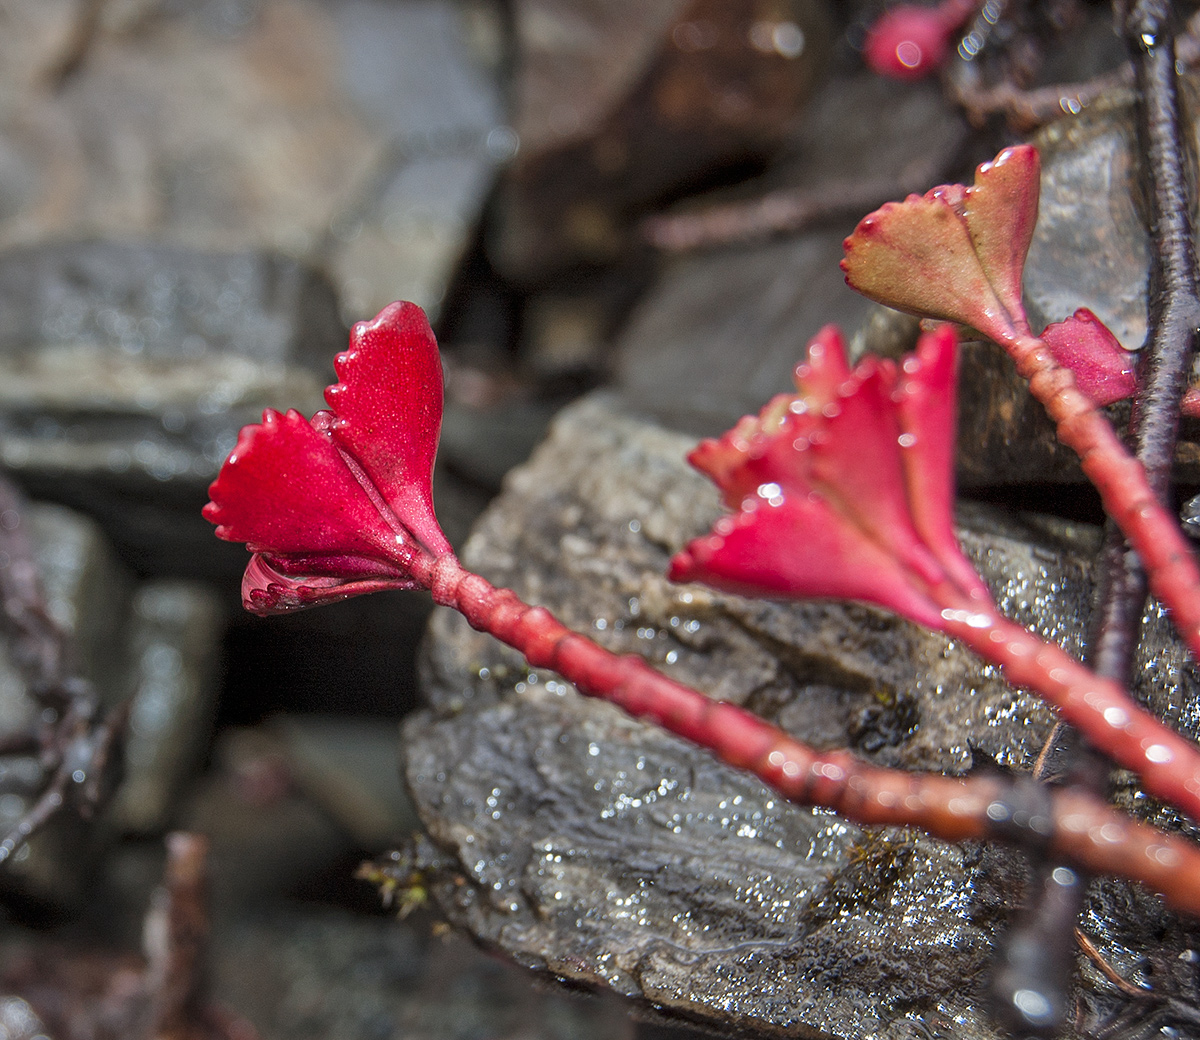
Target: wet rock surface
[[596, 848], [127, 371]]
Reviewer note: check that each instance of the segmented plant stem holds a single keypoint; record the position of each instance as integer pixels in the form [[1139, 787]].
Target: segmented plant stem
[[1121, 481], [1101, 709], [1071, 824]]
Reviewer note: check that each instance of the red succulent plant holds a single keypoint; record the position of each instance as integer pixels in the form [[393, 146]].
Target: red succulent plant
[[1103, 369], [955, 253], [342, 504], [845, 489], [958, 254]]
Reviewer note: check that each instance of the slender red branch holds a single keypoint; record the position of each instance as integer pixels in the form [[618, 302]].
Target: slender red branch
[[1121, 481], [957, 254], [1074, 825], [1101, 709]]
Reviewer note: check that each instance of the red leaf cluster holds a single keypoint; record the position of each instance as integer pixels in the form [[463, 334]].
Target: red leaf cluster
[[844, 490], [342, 504]]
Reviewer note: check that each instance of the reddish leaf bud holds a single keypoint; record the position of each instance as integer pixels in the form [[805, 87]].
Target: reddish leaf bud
[[341, 504], [844, 490]]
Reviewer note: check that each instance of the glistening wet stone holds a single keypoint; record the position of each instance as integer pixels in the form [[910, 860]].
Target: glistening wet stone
[[598, 849], [127, 370]]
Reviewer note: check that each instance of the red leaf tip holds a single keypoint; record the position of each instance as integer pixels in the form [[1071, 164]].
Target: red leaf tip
[[1104, 370], [955, 253], [844, 489], [342, 504]]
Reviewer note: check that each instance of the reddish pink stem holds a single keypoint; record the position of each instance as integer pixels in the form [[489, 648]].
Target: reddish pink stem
[[1155, 534], [1101, 709], [1076, 826]]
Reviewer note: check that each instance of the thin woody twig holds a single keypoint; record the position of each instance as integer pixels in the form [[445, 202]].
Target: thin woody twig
[[1147, 1007], [76, 750], [176, 932], [789, 210], [1106, 969], [1027, 109]]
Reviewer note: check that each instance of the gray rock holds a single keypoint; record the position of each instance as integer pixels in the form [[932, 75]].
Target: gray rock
[[330, 975], [241, 146], [87, 594], [19, 1020], [190, 125], [127, 371], [1090, 247], [424, 75], [482, 444], [720, 332], [599, 849], [157, 642], [861, 126], [361, 134], [267, 838], [174, 645], [351, 769]]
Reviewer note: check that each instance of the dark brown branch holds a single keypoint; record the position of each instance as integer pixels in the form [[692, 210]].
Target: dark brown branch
[[77, 751], [177, 931], [1027, 109], [790, 210]]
